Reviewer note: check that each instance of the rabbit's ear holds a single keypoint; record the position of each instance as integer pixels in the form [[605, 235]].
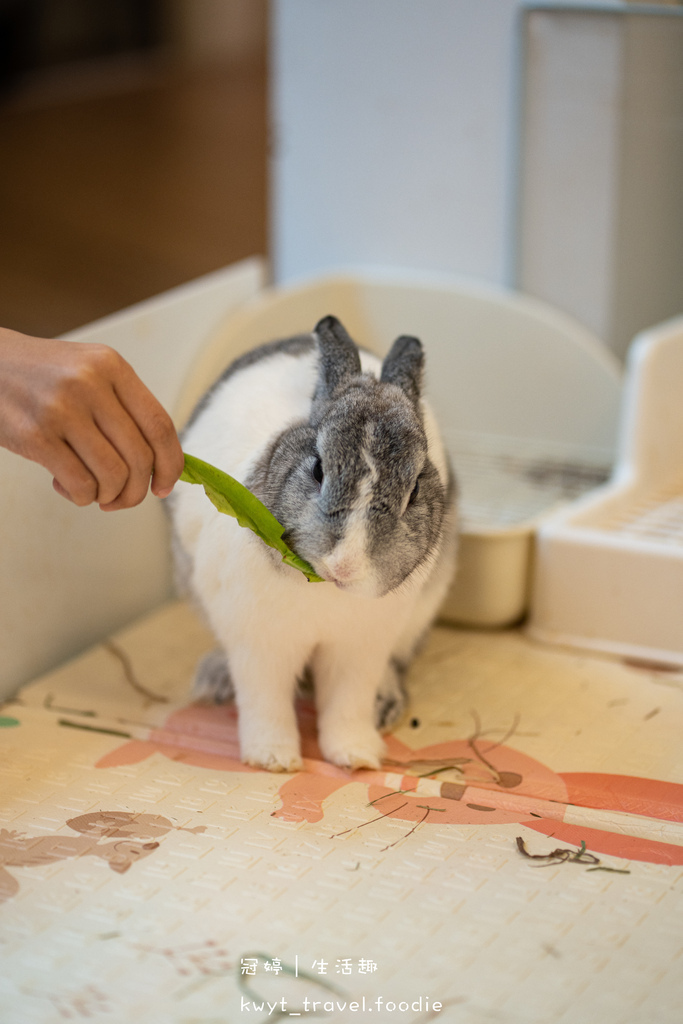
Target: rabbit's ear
[[339, 358], [404, 366]]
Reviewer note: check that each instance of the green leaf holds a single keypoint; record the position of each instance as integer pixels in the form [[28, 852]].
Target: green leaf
[[234, 499]]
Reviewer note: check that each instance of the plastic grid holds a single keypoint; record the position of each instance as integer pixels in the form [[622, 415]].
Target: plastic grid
[[506, 482], [658, 518]]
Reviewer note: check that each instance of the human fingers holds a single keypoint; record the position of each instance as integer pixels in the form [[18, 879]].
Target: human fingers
[[50, 392], [96, 454], [114, 444], [114, 474], [81, 411], [71, 477], [62, 491], [122, 433], [103, 456], [155, 426]]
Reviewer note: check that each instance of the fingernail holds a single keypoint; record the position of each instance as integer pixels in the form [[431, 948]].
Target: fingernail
[[164, 493]]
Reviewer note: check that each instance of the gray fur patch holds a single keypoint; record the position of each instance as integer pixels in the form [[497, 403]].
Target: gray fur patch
[[339, 358], [404, 366], [391, 697], [212, 681]]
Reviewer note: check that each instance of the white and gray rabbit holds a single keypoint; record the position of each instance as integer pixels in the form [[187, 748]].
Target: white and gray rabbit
[[345, 453]]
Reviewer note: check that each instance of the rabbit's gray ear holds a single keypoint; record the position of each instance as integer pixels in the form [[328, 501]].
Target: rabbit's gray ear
[[404, 366], [339, 358]]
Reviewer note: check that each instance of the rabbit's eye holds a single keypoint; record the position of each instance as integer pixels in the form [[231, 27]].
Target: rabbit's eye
[[318, 471], [414, 493]]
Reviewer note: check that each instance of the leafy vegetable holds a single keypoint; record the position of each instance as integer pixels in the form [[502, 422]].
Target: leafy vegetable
[[234, 499]]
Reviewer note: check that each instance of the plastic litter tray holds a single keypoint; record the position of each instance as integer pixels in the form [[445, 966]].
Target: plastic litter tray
[[609, 570], [527, 401]]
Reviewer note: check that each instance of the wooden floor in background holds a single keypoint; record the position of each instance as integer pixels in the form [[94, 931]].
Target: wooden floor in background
[[110, 198]]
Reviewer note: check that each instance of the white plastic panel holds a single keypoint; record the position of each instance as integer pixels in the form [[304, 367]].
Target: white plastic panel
[[609, 572], [70, 576]]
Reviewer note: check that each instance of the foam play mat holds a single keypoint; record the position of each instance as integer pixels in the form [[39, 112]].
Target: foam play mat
[[519, 857]]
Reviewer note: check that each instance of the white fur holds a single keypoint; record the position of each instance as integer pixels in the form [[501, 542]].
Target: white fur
[[269, 619]]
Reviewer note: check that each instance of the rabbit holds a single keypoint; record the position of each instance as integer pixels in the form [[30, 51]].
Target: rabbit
[[345, 453]]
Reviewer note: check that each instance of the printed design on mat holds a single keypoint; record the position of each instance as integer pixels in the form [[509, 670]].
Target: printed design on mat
[[487, 784], [132, 837]]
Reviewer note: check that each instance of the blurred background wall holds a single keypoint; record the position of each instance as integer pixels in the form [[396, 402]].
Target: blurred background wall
[[535, 145], [133, 142]]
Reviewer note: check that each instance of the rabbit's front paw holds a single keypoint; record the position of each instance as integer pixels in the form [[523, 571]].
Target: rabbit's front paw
[[280, 756], [361, 749]]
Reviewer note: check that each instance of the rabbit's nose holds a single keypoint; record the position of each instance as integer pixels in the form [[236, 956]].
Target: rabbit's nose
[[341, 570], [347, 562]]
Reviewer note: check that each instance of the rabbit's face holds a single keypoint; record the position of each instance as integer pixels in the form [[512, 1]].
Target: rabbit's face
[[362, 503], [379, 503]]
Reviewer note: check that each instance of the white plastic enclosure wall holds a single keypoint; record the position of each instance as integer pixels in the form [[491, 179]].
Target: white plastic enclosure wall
[[609, 571], [69, 576], [496, 362], [499, 366]]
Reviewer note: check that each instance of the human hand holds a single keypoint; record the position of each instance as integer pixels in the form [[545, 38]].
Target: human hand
[[81, 411]]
